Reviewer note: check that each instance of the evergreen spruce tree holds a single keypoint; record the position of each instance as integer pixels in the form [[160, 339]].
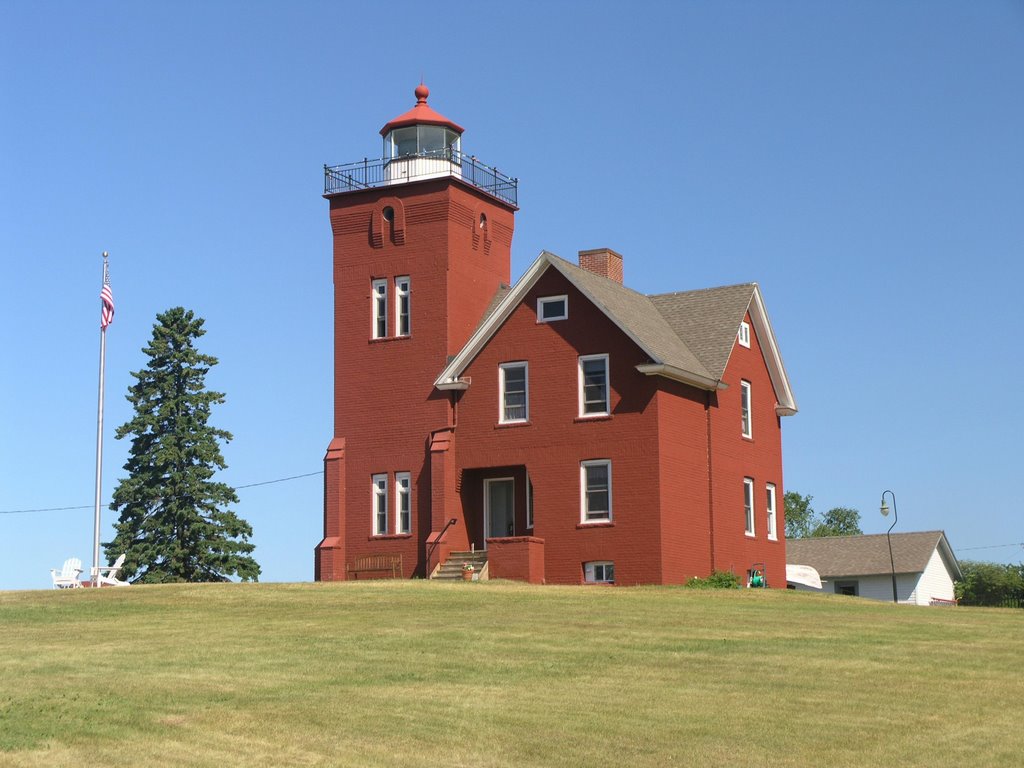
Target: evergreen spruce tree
[[174, 524]]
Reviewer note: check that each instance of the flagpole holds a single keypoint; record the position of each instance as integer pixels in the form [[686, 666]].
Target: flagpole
[[94, 574]]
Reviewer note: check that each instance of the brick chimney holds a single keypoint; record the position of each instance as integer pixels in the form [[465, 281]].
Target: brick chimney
[[604, 262]]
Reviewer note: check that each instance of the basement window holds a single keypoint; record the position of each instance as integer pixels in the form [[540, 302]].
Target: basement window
[[551, 308], [599, 572]]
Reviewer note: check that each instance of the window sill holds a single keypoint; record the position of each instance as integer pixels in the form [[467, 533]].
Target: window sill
[[511, 424], [748, 438], [388, 536], [595, 417], [386, 339], [596, 524], [750, 535]]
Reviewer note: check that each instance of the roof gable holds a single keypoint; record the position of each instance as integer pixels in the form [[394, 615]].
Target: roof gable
[[632, 312], [708, 321], [687, 336]]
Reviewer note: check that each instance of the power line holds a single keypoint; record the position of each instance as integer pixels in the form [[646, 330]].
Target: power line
[[90, 506], [991, 546]]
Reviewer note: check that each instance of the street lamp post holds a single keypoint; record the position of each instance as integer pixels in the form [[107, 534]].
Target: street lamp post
[[895, 518]]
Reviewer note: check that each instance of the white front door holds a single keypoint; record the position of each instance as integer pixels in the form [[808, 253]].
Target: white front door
[[499, 507]]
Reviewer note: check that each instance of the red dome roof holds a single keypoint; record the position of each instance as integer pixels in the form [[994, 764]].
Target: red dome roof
[[421, 114]]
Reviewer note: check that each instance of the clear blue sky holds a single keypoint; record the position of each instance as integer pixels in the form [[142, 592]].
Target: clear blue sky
[[862, 161]]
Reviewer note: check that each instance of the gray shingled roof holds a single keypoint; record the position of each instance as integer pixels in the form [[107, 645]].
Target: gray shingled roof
[[707, 320], [499, 294], [638, 315], [867, 555], [688, 336]]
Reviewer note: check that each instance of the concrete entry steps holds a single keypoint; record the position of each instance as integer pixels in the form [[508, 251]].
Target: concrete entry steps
[[451, 570]]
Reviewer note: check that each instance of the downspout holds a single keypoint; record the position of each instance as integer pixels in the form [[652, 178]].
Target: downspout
[[711, 487]]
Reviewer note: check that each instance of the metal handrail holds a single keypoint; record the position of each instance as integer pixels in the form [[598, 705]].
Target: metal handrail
[[367, 174], [435, 542]]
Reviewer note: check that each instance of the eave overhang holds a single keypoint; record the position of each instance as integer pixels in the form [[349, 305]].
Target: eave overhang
[[678, 374]]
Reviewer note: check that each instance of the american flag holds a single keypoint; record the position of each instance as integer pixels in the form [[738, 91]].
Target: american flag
[[107, 297]]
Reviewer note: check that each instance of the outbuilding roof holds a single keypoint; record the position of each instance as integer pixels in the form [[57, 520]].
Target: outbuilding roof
[[868, 555]]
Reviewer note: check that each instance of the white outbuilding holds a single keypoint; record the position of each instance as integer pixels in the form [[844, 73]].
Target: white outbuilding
[[923, 562]]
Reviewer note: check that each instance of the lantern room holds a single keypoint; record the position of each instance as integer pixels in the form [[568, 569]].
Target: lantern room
[[422, 132]]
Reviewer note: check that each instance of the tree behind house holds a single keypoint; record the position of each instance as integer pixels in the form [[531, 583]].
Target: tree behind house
[[802, 522], [838, 521], [800, 515], [174, 524]]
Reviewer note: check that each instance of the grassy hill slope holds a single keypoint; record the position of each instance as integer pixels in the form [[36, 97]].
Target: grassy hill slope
[[499, 674]]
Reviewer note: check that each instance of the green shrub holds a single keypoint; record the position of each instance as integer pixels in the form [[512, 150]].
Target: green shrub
[[717, 580]]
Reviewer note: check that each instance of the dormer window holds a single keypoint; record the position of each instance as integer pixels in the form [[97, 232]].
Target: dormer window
[[551, 308], [744, 335]]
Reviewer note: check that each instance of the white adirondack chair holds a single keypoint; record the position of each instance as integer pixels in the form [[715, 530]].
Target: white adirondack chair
[[67, 577], [107, 575]]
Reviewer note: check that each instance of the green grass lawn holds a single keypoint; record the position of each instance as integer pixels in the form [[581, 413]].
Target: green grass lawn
[[499, 674]]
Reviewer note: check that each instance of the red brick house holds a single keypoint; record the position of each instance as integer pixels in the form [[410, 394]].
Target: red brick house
[[570, 428]]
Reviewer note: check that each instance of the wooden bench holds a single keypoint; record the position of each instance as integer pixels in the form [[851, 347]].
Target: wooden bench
[[376, 564]]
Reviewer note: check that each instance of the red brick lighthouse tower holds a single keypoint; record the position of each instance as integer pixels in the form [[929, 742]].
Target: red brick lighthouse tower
[[422, 243]]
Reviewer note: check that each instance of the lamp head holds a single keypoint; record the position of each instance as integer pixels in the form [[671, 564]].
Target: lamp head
[[885, 509]]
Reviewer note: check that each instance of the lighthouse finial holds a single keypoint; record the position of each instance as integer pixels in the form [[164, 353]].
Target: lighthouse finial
[[421, 93]]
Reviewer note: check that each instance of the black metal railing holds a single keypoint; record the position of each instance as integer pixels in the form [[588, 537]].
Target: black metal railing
[[367, 173], [434, 543]]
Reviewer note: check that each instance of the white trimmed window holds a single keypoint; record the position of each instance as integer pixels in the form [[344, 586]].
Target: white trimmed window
[[380, 505], [514, 394], [403, 326], [403, 502], [770, 504], [380, 309], [593, 385], [599, 572], [745, 408], [552, 308], [529, 502], [595, 491], [748, 505], [743, 337]]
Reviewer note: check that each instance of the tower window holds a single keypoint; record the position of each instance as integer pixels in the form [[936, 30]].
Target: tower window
[[402, 304], [380, 309], [389, 214], [483, 221], [380, 505], [403, 502]]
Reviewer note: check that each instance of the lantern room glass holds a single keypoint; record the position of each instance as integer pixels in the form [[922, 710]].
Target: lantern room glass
[[422, 140]]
